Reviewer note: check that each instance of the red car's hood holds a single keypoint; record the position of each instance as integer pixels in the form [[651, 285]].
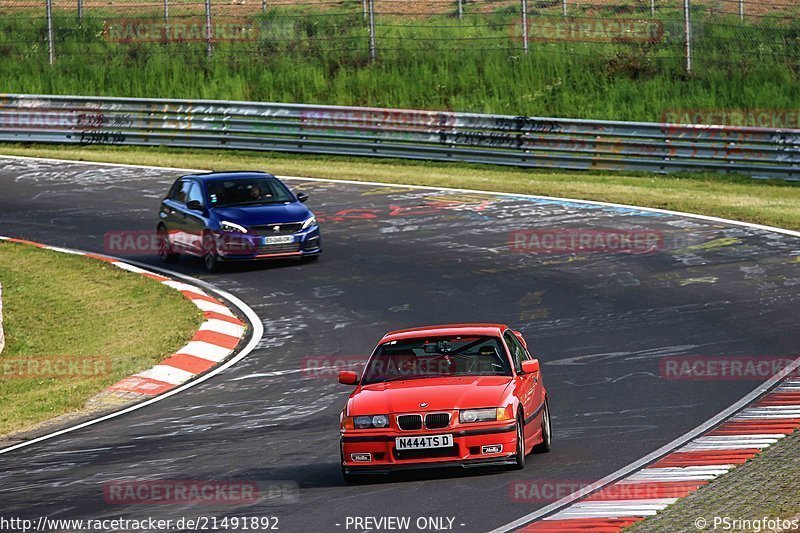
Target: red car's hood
[[462, 392]]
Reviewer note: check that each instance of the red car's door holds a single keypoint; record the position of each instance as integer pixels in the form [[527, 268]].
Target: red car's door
[[526, 388]]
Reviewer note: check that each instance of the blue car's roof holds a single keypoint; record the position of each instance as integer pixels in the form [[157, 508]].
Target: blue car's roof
[[213, 176]]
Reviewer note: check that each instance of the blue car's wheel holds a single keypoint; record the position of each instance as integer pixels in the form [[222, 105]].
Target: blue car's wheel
[[210, 256], [165, 248]]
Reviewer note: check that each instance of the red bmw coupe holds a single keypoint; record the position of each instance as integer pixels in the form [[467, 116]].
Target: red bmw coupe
[[457, 395]]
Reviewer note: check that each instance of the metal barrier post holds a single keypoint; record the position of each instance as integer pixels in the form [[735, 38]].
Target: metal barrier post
[[687, 27], [80, 10], [208, 28], [460, 9], [525, 25], [373, 53], [50, 51]]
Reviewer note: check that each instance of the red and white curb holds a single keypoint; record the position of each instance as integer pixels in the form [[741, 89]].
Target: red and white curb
[[681, 472], [215, 340]]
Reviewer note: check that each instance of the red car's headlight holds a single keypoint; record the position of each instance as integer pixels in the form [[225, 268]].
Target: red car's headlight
[[366, 422], [468, 416]]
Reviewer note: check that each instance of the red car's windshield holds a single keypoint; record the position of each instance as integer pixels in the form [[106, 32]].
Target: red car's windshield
[[437, 356]]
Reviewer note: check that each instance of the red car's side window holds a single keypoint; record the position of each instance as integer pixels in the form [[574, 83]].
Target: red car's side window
[[517, 351]]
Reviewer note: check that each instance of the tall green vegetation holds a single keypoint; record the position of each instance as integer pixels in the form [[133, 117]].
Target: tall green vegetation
[[431, 62]]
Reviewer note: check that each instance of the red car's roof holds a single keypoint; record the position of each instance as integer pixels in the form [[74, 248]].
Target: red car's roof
[[444, 330]]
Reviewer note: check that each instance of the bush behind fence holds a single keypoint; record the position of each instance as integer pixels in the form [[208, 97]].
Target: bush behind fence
[[635, 36]]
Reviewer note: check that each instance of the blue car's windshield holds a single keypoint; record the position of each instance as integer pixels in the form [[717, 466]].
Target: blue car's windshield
[[435, 357], [247, 191]]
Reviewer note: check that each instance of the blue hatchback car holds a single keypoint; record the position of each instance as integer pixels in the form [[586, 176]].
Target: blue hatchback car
[[236, 216]]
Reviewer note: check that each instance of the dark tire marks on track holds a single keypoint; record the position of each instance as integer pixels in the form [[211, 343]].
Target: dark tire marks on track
[[395, 258]]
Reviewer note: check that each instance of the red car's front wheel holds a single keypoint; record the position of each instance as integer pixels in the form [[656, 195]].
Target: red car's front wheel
[[544, 446], [519, 458]]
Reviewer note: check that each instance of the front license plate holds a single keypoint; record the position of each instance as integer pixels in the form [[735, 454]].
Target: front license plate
[[279, 239], [423, 442]]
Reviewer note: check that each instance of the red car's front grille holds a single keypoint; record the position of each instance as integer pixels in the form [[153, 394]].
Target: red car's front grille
[[409, 422], [437, 420]]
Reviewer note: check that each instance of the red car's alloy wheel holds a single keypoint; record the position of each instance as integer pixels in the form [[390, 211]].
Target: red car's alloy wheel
[[520, 457], [544, 446]]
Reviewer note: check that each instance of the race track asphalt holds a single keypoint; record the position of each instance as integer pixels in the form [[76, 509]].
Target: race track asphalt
[[601, 323]]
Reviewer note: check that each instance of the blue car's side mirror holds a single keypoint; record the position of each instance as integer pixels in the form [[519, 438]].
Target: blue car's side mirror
[[301, 196], [194, 205]]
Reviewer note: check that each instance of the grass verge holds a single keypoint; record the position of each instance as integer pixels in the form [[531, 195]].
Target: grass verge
[[765, 486], [770, 202], [72, 308]]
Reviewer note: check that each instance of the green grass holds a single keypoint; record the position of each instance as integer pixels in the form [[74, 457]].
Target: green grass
[[65, 306], [768, 202], [423, 63]]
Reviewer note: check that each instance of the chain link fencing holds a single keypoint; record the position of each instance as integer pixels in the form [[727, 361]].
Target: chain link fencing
[[586, 39], [638, 34]]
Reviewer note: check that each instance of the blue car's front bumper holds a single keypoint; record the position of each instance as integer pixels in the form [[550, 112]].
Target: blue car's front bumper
[[243, 247]]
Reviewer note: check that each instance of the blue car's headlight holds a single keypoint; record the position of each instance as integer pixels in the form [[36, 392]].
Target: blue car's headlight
[[232, 226], [309, 222]]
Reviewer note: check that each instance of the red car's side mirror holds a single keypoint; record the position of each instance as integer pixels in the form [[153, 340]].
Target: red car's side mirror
[[530, 366], [348, 377]]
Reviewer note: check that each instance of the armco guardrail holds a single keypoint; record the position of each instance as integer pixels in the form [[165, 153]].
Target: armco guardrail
[[429, 135]]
